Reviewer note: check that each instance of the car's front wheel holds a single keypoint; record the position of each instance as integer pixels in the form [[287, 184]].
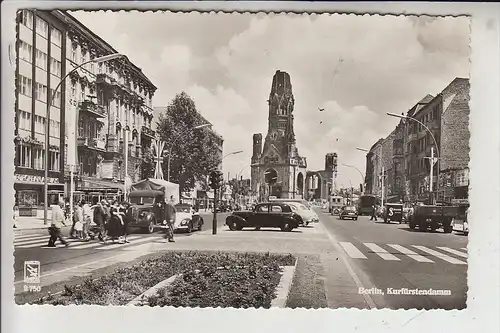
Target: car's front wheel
[[233, 225], [151, 227], [286, 227]]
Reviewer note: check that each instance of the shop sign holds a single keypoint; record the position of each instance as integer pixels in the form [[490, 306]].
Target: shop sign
[[35, 179], [107, 170]]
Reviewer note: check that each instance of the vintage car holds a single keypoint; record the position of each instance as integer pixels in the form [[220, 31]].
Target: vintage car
[[265, 215], [144, 209], [393, 212], [459, 223], [348, 212], [306, 214], [186, 219], [433, 217]]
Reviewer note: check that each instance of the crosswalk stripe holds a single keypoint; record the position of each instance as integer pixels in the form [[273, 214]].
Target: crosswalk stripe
[[30, 236], [455, 252], [352, 251], [410, 253], [115, 246], [464, 248], [41, 242], [96, 244], [440, 255], [31, 241], [381, 252]]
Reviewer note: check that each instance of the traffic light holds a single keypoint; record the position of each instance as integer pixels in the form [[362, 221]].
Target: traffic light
[[216, 179]]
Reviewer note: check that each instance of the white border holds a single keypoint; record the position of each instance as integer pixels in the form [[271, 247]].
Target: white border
[[483, 277]]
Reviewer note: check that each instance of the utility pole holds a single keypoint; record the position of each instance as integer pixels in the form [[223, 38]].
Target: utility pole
[[432, 170], [383, 176], [214, 222]]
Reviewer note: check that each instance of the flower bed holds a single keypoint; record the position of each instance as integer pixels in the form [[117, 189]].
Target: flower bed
[[208, 280]]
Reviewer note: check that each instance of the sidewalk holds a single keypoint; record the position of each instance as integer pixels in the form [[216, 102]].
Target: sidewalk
[[321, 279]]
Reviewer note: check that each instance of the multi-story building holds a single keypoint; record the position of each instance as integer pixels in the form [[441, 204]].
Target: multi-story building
[[101, 102], [455, 136], [446, 116], [374, 169]]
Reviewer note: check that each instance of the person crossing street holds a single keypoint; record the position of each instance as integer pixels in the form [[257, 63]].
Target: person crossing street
[[168, 210], [374, 213], [57, 224]]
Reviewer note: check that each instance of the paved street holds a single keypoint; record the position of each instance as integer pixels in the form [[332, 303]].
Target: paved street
[[393, 256], [336, 259], [31, 245]]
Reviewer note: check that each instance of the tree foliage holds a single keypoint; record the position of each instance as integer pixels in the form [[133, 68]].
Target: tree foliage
[[238, 188], [193, 152]]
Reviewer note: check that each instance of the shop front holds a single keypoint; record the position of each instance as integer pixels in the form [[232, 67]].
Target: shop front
[[30, 193]]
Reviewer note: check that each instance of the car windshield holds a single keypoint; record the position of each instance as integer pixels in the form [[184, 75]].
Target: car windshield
[[350, 209], [141, 200], [183, 208]]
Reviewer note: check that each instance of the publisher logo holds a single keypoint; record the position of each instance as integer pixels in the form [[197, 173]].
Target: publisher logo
[[32, 272]]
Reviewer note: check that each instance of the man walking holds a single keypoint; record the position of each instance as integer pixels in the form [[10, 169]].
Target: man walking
[[374, 213], [169, 219], [99, 219], [56, 225], [87, 212]]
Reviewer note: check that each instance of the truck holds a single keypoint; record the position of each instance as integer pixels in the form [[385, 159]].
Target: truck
[[144, 197], [433, 217]]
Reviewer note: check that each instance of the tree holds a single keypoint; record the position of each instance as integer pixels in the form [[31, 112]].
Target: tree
[[238, 188], [194, 152]]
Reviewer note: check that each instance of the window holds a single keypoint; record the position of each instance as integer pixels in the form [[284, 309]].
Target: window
[[73, 89], [56, 98], [39, 124], [42, 28], [276, 209], [55, 67], [263, 209], [27, 19], [73, 54], [24, 156], [39, 162], [24, 120], [53, 160], [25, 85], [54, 128], [41, 59], [56, 37], [41, 92], [92, 67], [118, 110], [25, 51], [82, 92], [99, 68]]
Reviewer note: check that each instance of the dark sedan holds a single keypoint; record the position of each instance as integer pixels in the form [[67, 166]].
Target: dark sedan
[[348, 212], [265, 215]]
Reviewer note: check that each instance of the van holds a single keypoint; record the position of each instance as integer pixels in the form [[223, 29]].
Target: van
[[335, 204]]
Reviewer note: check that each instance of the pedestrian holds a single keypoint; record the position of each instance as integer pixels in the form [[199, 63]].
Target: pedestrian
[[87, 213], [168, 210], [16, 215], [100, 219], [374, 213], [127, 216], [77, 216], [56, 225], [115, 225], [79, 230]]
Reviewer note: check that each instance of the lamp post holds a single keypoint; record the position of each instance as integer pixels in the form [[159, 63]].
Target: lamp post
[[432, 152], [383, 172], [173, 144], [359, 171], [47, 126], [222, 159]]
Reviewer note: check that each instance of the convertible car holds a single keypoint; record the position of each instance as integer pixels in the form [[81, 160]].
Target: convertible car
[[265, 215]]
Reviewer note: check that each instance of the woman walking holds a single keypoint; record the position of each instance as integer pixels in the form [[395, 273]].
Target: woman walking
[[116, 224], [125, 208]]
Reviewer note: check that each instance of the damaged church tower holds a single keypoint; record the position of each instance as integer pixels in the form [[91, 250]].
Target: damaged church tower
[[277, 168]]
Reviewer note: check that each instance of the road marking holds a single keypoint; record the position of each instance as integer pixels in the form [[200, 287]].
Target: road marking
[[30, 236], [99, 243], [369, 301], [464, 248], [381, 252], [440, 255], [409, 253], [118, 245], [32, 241], [455, 252], [27, 245], [352, 251]]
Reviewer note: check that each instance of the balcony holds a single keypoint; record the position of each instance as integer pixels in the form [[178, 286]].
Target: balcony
[[105, 78], [92, 108], [147, 132], [93, 143]]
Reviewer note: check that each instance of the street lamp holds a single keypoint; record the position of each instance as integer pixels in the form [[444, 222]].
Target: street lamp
[[383, 171], [360, 173], [432, 155], [223, 157], [47, 126], [173, 143]]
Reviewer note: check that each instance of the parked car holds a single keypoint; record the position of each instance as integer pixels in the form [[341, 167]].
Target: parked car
[[348, 212], [265, 215], [433, 217], [187, 219], [459, 223], [306, 214]]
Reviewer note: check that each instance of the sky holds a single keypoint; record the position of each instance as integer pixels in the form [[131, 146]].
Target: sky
[[355, 67]]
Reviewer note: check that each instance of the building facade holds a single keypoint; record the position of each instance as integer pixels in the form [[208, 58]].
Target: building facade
[[322, 183], [455, 137], [99, 111], [446, 116], [277, 169]]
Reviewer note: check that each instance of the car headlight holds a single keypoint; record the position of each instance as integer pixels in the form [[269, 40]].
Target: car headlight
[[185, 222]]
